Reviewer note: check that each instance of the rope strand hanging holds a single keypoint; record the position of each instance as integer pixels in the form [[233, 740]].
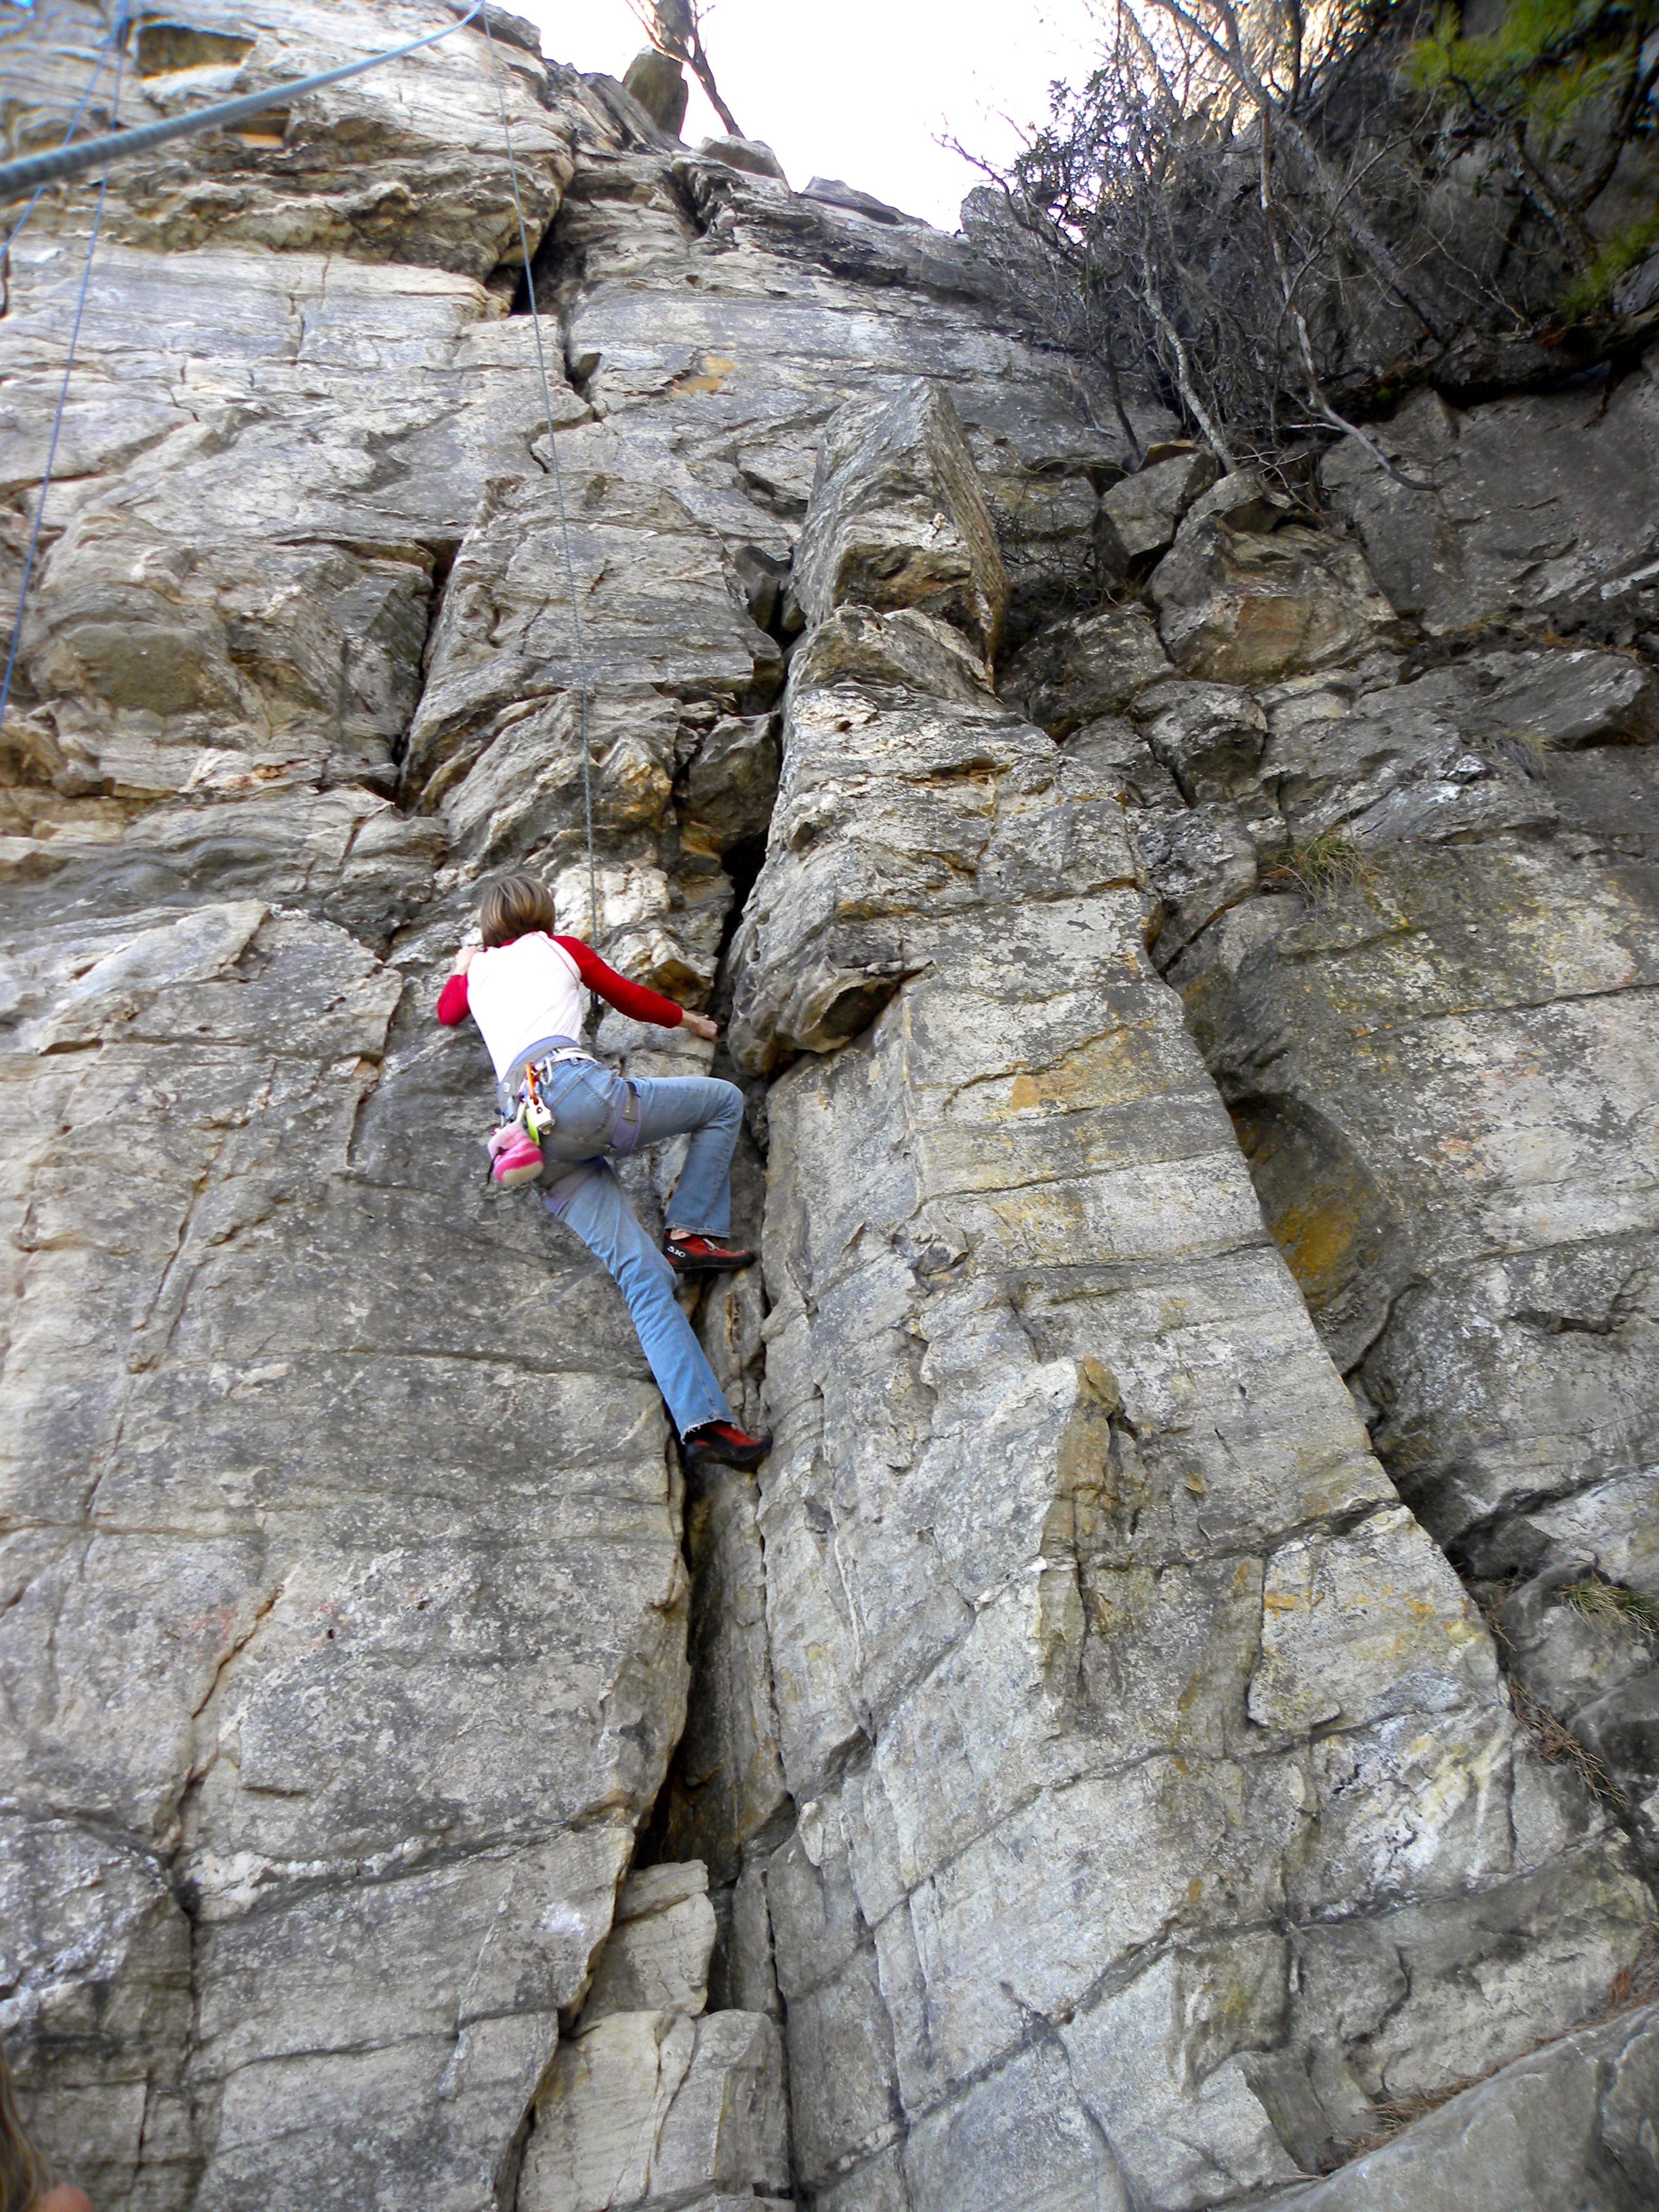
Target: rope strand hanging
[[116, 28], [120, 27], [32, 176], [558, 490]]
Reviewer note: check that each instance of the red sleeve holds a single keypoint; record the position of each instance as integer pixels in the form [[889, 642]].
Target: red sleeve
[[451, 1002], [630, 998]]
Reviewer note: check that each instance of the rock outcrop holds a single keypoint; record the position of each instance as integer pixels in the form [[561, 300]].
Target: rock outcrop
[[1185, 951]]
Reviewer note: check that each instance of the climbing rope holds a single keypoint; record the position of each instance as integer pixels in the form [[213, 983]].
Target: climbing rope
[[33, 174], [18, 178], [99, 59], [558, 490], [120, 27]]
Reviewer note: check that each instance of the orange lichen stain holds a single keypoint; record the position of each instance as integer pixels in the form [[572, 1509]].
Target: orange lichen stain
[[1278, 1602], [1318, 1239], [1194, 1890], [1098, 1074], [716, 368]]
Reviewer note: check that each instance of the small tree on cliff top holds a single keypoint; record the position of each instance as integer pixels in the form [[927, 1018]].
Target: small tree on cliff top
[[1273, 205]]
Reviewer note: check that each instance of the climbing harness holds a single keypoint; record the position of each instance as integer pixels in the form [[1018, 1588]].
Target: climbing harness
[[526, 1112], [558, 489]]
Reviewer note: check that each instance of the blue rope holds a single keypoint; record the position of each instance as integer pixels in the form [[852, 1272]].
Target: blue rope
[[109, 147], [63, 389]]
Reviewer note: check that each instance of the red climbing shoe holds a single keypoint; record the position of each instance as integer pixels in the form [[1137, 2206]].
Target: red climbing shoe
[[722, 1442], [703, 1255]]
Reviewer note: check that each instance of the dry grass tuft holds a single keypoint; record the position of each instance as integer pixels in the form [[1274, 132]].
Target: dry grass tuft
[[1314, 865], [1557, 1746], [1611, 1605], [1391, 2114]]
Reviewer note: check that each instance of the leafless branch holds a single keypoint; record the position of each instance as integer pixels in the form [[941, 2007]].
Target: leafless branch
[[675, 28]]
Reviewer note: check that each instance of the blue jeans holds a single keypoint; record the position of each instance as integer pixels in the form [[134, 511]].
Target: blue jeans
[[585, 1195]]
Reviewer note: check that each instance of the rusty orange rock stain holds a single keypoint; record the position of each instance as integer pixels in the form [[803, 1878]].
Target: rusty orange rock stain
[[716, 368]]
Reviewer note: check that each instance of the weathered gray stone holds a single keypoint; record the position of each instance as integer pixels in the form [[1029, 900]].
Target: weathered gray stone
[[1144, 511], [1569, 2127], [866, 865], [1103, 1770], [999, 1490], [833, 193], [751, 155], [1199, 862], [1238, 604], [657, 1957], [653, 2108], [1209, 736], [1538, 504], [658, 83], [898, 518], [1085, 667]]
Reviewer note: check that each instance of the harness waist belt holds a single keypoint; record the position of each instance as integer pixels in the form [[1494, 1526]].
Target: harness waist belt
[[543, 1052]]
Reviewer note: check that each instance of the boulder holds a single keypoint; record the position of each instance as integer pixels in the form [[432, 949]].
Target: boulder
[[1519, 509], [656, 1959], [833, 193], [1084, 666], [656, 2108], [751, 155], [1238, 605], [658, 83], [1567, 2127], [1144, 511], [1209, 736]]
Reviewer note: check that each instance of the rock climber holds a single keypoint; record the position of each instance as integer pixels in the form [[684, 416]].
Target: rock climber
[[25, 2184], [565, 1114]]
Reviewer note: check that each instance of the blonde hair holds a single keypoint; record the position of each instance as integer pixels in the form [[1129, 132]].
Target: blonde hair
[[513, 907], [24, 2178]]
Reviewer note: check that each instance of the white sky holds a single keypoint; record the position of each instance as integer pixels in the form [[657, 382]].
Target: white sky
[[858, 89]]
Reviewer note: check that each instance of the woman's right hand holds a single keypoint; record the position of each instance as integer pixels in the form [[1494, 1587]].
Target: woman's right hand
[[700, 1025]]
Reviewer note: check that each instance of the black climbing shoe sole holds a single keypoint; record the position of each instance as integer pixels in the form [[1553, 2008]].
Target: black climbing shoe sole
[[706, 1263], [714, 1451]]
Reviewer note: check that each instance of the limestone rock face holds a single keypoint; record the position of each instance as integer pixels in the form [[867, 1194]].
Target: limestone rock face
[[1179, 962], [1143, 511], [1434, 1048], [1101, 1644]]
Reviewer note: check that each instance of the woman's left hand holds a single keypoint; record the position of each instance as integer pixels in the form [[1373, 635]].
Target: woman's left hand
[[700, 1025]]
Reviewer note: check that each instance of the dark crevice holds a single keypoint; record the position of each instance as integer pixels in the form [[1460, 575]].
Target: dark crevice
[[443, 551]]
